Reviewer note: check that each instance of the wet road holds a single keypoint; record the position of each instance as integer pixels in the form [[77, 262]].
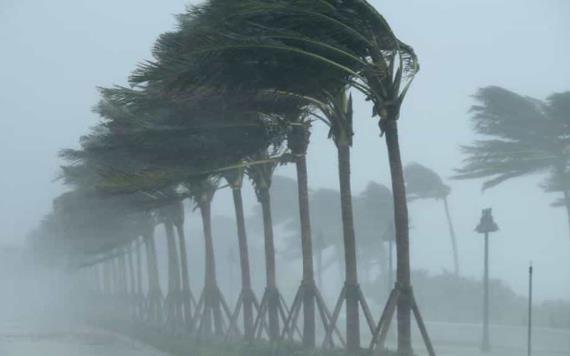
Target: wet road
[[38, 318], [61, 338], [464, 340], [22, 337]]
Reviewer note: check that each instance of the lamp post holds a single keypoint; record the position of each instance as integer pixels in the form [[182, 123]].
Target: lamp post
[[486, 226]]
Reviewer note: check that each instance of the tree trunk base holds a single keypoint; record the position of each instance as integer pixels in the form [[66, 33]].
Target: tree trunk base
[[348, 291], [309, 291], [272, 313], [381, 331], [189, 304], [211, 307], [154, 311], [246, 299], [174, 306]]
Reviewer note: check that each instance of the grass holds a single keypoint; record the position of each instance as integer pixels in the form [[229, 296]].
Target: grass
[[184, 345]]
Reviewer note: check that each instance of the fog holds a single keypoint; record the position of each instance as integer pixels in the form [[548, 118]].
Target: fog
[[54, 55]]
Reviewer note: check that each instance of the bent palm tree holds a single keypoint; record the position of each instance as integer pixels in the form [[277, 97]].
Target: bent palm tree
[[308, 293], [212, 305], [187, 296], [338, 113], [346, 43], [246, 299], [523, 135], [423, 183], [298, 141], [261, 175], [173, 301]]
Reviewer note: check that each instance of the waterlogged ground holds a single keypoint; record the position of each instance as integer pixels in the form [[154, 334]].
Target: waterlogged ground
[[37, 319], [63, 338], [464, 340], [44, 336]]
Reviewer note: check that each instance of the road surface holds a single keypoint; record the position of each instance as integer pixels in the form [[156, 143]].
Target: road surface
[[62, 338]]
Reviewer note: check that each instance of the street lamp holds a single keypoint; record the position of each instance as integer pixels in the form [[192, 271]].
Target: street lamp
[[486, 226]]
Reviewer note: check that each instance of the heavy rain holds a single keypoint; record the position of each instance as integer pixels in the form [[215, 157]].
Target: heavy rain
[[284, 177]]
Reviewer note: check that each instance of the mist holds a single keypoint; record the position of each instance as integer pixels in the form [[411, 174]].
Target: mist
[[61, 290]]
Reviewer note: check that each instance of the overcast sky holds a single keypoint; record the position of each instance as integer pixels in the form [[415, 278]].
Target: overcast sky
[[53, 54]]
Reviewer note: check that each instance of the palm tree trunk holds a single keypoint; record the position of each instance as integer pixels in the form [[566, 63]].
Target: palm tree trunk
[[244, 264], [97, 277], [567, 205], [131, 270], [154, 293], [307, 252], [114, 276], [453, 237], [403, 278], [351, 274], [271, 279], [173, 272], [184, 275], [139, 286], [132, 289], [154, 281], [118, 275], [123, 276], [210, 280], [138, 267], [106, 278], [149, 269]]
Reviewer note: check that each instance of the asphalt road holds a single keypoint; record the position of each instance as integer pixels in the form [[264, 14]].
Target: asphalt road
[[464, 340], [42, 338], [49, 337]]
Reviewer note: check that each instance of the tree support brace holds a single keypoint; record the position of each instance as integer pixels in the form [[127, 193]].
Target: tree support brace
[[381, 330], [309, 290], [347, 291], [271, 299]]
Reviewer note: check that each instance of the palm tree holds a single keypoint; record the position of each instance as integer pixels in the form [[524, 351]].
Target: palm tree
[[261, 175], [84, 177], [98, 228], [298, 141], [246, 300], [211, 305], [178, 218], [173, 299], [325, 209], [339, 111], [201, 130], [522, 135], [423, 183], [139, 295], [297, 136], [373, 214], [154, 297], [347, 43]]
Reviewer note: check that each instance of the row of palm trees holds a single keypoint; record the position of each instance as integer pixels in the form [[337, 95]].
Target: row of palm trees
[[233, 92], [373, 215]]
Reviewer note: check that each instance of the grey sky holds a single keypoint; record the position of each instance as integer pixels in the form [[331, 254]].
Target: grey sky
[[54, 53]]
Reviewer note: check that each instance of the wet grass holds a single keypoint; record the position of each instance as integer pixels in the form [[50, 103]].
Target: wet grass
[[184, 345]]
